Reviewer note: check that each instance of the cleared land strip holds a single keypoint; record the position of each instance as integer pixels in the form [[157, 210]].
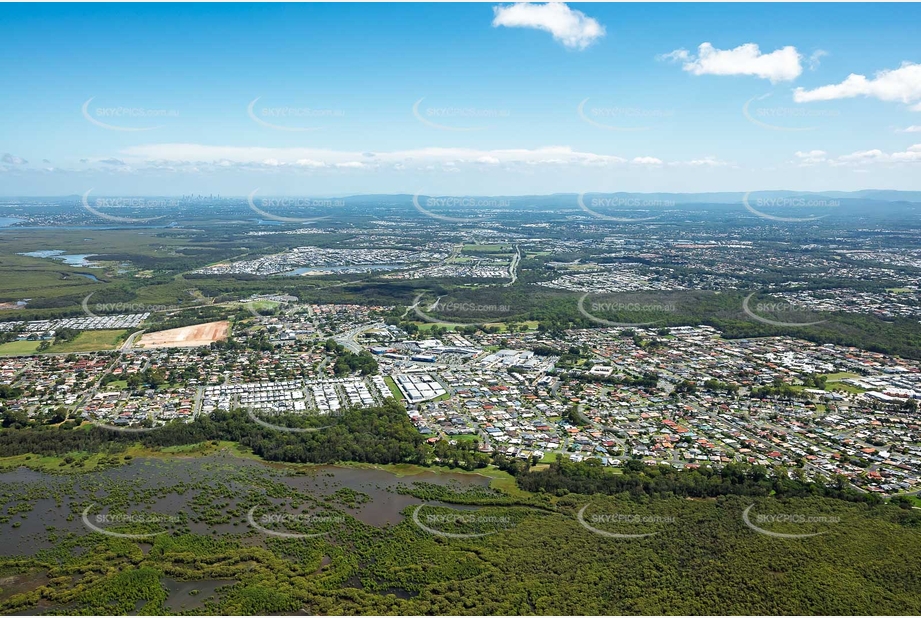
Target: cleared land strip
[[187, 336]]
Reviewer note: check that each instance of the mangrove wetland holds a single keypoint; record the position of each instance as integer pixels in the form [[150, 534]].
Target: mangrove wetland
[[224, 516]]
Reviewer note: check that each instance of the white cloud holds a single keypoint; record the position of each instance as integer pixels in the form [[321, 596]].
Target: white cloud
[[915, 128], [572, 28], [13, 159], [548, 162], [912, 154], [262, 157], [898, 85], [860, 157], [707, 162], [678, 55], [181, 158], [816, 59], [780, 65], [309, 163], [811, 157]]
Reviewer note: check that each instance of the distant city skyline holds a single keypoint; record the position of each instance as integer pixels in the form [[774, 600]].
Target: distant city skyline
[[458, 99]]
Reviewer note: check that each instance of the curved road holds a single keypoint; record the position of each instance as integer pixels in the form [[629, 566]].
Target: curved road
[[129, 342]]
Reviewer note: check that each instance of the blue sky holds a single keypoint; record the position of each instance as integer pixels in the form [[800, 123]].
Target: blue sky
[[766, 103]]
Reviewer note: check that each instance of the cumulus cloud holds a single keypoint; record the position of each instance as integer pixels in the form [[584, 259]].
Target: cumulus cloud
[[647, 161], [915, 128], [902, 85], [912, 154], [572, 28], [783, 64], [13, 159]]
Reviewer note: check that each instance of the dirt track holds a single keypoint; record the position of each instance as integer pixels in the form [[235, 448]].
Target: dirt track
[[185, 337]]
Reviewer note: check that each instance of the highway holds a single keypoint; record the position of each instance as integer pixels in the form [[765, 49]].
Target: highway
[[513, 267], [348, 339]]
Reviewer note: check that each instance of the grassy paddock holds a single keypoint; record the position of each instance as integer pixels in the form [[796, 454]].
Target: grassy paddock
[[91, 341], [15, 348]]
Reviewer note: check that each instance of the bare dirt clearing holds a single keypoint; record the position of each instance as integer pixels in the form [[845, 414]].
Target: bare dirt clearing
[[186, 337]]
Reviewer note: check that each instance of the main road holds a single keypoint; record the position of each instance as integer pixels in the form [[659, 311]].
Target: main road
[[347, 339], [513, 267], [129, 342]]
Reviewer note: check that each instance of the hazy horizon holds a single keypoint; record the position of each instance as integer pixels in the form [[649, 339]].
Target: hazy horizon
[[515, 195]]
